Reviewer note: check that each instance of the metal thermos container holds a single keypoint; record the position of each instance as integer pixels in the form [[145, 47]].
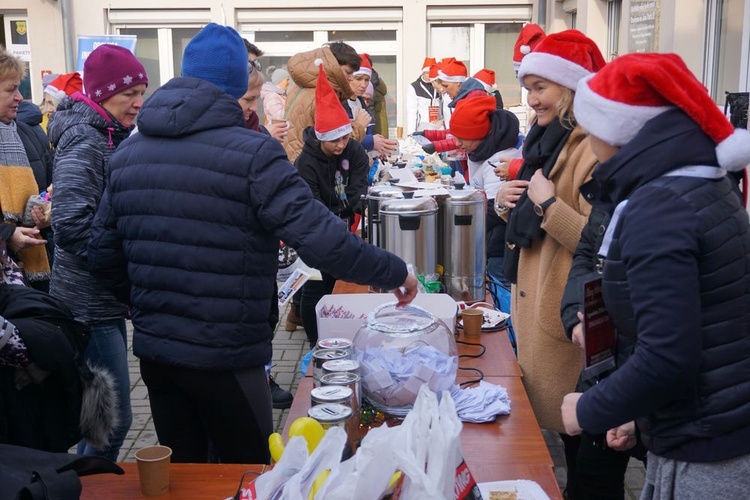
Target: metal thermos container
[[376, 195], [410, 231], [464, 252]]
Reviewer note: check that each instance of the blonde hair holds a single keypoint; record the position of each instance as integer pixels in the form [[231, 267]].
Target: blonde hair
[[11, 66], [256, 79]]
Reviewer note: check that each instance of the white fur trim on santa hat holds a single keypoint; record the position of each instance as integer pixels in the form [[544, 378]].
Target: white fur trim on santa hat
[[334, 134], [733, 152], [363, 71], [553, 68], [452, 79], [55, 92], [487, 88], [318, 61], [424, 70], [613, 122]]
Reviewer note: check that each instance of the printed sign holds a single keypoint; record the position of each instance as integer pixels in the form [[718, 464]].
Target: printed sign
[[17, 37], [86, 44], [599, 334], [644, 26]]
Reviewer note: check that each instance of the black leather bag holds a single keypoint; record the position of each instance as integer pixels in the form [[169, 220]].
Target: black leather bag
[[29, 474]]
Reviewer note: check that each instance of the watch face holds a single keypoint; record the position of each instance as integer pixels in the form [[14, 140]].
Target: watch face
[[539, 210]]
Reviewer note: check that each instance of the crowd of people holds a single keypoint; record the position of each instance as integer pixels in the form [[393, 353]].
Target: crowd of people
[[626, 177]]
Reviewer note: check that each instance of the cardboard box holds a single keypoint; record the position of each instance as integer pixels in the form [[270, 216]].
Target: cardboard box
[[361, 304]]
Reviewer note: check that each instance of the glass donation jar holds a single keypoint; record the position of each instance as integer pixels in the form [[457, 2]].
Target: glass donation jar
[[399, 349]]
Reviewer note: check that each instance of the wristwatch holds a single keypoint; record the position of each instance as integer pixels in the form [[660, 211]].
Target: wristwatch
[[539, 208]]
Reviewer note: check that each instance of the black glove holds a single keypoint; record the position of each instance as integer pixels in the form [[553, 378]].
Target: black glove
[[418, 132], [428, 148]]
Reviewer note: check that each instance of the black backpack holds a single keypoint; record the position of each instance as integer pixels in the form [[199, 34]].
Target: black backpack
[[28, 474]]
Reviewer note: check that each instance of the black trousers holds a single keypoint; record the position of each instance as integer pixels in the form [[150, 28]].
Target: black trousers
[[231, 409], [312, 292], [598, 471]]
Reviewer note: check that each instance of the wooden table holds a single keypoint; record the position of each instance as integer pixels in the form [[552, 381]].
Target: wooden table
[[511, 447], [216, 481]]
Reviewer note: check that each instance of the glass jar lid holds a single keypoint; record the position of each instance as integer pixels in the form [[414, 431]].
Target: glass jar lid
[[405, 320], [330, 413]]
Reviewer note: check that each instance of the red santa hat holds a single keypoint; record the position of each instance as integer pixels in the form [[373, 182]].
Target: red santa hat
[[563, 58], [428, 63], [433, 74], [365, 67], [487, 78], [64, 85], [614, 104], [331, 120], [451, 70], [528, 39]]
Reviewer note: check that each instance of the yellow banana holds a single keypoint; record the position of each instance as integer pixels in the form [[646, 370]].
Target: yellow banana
[[318, 483]]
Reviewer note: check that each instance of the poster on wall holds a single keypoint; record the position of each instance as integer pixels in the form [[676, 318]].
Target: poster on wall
[[17, 44], [644, 26], [87, 43]]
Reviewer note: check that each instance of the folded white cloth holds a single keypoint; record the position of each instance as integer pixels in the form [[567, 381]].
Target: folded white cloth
[[481, 403]]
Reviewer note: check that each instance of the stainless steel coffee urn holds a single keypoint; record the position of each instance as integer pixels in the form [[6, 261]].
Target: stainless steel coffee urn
[[409, 230], [376, 195], [464, 253]]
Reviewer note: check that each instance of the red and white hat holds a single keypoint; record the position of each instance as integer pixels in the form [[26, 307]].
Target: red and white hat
[[433, 74], [331, 120], [451, 70], [614, 104], [528, 39], [428, 62], [563, 58], [487, 78], [64, 85], [365, 67]]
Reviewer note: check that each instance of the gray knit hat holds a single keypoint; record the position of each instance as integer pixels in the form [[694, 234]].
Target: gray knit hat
[[279, 75]]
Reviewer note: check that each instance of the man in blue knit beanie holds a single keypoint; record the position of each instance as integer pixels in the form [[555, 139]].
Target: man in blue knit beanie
[[217, 54], [187, 233]]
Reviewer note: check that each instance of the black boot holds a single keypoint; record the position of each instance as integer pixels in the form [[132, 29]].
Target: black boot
[[281, 399]]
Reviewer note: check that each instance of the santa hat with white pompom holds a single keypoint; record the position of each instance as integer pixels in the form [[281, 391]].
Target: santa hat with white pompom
[[528, 38], [615, 103], [331, 120]]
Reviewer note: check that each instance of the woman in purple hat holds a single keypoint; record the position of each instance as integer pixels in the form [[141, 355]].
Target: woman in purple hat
[[85, 131]]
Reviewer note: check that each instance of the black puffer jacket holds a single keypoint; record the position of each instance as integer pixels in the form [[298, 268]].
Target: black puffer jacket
[[346, 172], [84, 140], [677, 276], [194, 211]]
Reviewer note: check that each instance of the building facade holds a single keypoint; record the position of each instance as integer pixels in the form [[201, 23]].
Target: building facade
[[713, 36]]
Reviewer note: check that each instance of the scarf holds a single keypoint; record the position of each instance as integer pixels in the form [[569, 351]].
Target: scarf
[[503, 135], [17, 185], [540, 151]]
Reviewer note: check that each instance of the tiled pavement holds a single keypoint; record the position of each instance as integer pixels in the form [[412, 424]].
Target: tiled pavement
[[287, 353]]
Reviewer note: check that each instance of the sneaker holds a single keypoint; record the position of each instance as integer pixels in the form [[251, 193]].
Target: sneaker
[[292, 320], [281, 399]]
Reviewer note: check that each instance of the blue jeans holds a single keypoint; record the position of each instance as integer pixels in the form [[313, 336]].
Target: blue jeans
[[108, 348], [495, 269]]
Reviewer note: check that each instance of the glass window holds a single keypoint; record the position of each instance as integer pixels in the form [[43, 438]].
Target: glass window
[[147, 51], [498, 56], [180, 38], [370, 35], [283, 36], [614, 14], [451, 41], [386, 68], [728, 62]]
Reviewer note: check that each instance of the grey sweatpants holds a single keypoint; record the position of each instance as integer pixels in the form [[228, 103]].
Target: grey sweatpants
[[667, 479]]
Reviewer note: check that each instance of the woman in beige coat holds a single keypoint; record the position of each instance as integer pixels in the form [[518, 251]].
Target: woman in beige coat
[[546, 213]]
